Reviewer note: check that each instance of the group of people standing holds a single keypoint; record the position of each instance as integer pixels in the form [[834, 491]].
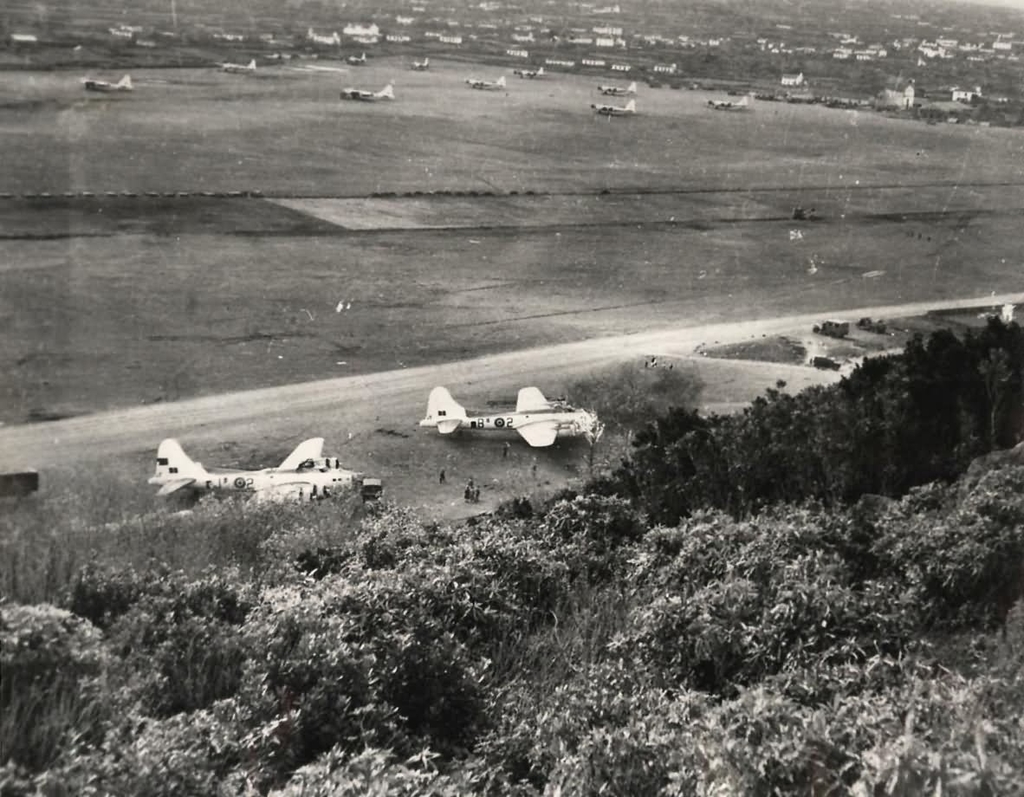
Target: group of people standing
[[472, 492]]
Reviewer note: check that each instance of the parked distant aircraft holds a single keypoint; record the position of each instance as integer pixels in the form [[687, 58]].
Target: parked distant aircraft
[[239, 69], [304, 474], [386, 93], [536, 419], [486, 85], [618, 91], [360, 61], [421, 66], [729, 105], [529, 73], [613, 110], [124, 84]]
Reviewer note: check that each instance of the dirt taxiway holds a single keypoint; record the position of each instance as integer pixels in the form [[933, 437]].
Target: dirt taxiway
[[358, 404]]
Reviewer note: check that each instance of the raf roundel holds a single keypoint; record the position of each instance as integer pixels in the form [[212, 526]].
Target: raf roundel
[[499, 422], [239, 482]]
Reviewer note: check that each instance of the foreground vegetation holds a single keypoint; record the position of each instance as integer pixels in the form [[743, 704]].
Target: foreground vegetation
[[822, 644]]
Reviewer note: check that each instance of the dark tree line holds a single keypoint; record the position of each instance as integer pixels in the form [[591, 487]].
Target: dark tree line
[[895, 423]]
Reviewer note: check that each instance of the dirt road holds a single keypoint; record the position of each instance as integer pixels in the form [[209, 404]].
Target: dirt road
[[396, 399]]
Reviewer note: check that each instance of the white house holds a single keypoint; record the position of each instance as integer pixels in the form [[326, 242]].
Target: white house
[[965, 95], [518, 53], [450, 39], [317, 38], [667, 69], [26, 38], [793, 80], [356, 29]]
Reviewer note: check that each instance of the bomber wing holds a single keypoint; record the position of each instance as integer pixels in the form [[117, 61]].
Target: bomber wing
[[530, 399], [307, 449], [539, 435]]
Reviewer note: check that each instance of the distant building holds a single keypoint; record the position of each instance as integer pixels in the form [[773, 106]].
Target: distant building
[[559, 62], [793, 80], [317, 38], [607, 30], [593, 62], [397, 38], [356, 29], [900, 98], [965, 95], [667, 69], [25, 38], [518, 53], [604, 41], [450, 39], [621, 67]]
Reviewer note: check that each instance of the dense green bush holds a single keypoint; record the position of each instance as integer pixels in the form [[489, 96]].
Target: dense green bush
[[51, 688], [177, 637], [200, 754], [894, 423], [357, 663], [962, 555]]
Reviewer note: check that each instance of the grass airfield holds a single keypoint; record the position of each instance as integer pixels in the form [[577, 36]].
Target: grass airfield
[[677, 216], [284, 131]]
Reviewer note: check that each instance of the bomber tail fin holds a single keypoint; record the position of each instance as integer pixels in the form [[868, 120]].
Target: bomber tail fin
[[388, 92], [632, 88], [501, 82], [252, 64], [125, 83], [443, 411], [174, 468], [630, 106]]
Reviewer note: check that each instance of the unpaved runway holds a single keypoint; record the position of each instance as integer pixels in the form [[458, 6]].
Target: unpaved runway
[[390, 398]]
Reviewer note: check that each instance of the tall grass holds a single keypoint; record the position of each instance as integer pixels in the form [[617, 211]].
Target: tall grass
[[47, 539]]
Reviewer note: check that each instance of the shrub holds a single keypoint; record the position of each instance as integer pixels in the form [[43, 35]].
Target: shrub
[[177, 637], [594, 530], [52, 663], [963, 560], [198, 754], [358, 662]]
